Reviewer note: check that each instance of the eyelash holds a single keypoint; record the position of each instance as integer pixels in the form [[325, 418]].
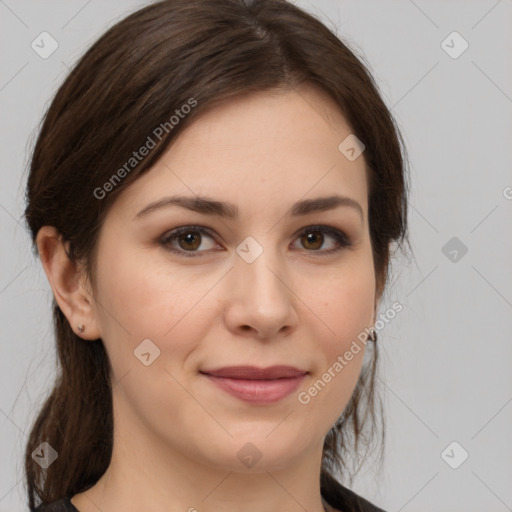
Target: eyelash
[[342, 239]]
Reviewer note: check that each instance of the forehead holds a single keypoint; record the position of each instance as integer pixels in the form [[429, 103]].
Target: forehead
[[255, 150]]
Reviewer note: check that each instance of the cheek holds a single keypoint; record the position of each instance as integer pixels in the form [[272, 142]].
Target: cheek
[[348, 310], [345, 302], [345, 306], [143, 300]]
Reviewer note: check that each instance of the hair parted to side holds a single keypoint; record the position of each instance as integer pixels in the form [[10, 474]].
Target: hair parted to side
[[126, 85]]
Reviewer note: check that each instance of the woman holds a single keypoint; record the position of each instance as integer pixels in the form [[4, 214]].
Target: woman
[[213, 195]]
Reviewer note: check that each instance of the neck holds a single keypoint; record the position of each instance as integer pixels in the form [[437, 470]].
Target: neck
[[147, 474]]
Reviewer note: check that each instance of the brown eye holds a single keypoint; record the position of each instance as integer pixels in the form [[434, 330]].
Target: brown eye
[[188, 240], [313, 238]]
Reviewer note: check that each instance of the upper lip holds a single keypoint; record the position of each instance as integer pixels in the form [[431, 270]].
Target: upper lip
[[254, 373]]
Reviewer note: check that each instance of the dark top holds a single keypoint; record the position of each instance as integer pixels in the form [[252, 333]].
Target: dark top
[[336, 495], [63, 505]]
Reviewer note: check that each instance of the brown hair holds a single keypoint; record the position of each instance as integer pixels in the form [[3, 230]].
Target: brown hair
[[125, 86]]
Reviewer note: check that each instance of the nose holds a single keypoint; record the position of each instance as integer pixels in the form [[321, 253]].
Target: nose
[[260, 298]]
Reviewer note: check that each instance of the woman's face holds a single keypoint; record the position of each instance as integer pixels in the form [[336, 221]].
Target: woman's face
[[263, 287]]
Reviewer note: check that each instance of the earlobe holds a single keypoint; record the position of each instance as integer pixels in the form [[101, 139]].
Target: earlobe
[[66, 279]]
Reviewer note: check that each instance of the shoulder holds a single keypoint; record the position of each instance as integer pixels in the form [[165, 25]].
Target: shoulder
[[62, 505], [342, 498]]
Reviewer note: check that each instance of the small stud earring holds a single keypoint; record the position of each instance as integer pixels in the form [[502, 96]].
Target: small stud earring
[[81, 328], [373, 335]]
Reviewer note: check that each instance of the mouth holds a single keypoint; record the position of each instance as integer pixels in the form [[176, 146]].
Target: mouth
[[257, 385]]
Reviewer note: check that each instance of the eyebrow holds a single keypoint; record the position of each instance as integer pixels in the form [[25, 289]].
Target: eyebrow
[[208, 206]]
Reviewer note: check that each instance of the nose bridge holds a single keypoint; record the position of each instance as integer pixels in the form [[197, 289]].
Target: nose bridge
[[257, 265], [260, 296]]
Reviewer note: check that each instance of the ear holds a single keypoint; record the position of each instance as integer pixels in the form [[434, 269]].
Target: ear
[[69, 283]]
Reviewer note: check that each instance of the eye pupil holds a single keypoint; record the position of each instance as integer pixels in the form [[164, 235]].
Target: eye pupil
[[188, 238], [314, 237]]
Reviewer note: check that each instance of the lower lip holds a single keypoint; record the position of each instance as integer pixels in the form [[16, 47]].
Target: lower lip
[[258, 391]]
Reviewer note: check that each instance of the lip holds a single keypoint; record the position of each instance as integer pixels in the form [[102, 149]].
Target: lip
[[255, 373], [257, 385]]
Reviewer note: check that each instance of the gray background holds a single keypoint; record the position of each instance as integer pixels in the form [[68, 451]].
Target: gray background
[[445, 370]]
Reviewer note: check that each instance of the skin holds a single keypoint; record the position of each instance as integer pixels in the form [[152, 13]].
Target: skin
[[176, 435]]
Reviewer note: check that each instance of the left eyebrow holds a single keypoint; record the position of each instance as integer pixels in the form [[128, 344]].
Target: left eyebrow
[[208, 206]]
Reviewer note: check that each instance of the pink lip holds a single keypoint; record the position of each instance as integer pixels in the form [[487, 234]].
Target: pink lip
[[257, 385]]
